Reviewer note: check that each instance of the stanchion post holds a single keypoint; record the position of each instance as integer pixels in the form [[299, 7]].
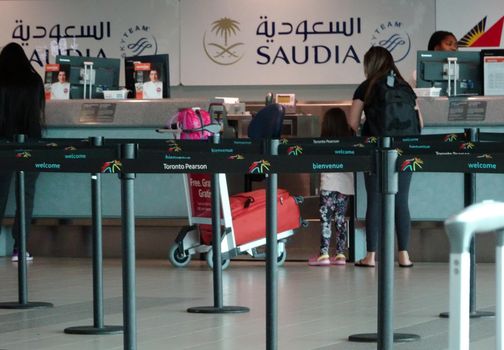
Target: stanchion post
[[128, 250], [22, 263], [272, 256], [218, 307], [388, 185], [96, 215], [96, 212], [388, 181], [21, 208]]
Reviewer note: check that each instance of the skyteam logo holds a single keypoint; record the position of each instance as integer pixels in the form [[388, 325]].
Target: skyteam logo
[[137, 40], [392, 36], [220, 44]]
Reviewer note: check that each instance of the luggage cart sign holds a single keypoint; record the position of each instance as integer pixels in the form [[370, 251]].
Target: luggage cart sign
[[200, 195]]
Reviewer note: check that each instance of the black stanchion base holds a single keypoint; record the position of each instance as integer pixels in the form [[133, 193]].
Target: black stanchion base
[[30, 305], [373, 338], [218, 310], [94, 330], [474, 314]]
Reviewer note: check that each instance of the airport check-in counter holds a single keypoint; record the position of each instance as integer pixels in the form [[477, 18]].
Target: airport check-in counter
[[61, 195], [433, 196]]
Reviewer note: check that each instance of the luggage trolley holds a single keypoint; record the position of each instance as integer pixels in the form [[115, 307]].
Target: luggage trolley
[[196, 238]]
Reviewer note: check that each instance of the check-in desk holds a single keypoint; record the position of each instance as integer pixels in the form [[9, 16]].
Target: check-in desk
[[66, 197], [434, 197], [62, 195]]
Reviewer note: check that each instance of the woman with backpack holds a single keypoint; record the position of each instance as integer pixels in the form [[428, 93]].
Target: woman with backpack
[[382, 119]]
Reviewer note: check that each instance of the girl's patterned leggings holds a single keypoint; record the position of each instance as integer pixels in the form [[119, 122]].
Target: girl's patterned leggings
[[333, 205]]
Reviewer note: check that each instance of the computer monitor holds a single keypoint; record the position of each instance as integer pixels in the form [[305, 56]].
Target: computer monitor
[[103, 76], [432, 71], [492, 61], [160, 62]]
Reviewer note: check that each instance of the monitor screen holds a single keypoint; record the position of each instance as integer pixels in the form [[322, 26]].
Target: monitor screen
[[492, 61], [432, 71], [160, 63], [104, 74]]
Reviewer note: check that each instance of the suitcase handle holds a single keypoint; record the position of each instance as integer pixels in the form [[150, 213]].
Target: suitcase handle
[[249, 201]]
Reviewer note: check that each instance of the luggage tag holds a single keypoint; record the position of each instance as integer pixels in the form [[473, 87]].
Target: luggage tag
[[391, 80]]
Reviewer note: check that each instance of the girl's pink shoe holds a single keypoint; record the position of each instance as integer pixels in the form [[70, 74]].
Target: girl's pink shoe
[[322, 260], [339, 259]]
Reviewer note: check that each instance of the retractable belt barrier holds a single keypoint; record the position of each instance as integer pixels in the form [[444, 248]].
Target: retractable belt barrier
[[470, 158], [243, 156], [68, 155]]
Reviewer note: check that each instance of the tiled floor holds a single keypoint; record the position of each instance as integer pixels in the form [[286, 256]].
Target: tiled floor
[[319, 307]]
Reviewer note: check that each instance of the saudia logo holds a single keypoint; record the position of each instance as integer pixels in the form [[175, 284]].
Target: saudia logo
[[478, 36], [392, 36], [218, 44], [137, 40]]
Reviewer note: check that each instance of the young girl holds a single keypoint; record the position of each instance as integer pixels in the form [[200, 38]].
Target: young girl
[[335, 188]]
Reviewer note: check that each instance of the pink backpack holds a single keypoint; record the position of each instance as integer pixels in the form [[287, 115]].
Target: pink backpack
[[189, 119]]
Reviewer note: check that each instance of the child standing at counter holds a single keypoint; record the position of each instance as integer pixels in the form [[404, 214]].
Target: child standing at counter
[[335, 189]]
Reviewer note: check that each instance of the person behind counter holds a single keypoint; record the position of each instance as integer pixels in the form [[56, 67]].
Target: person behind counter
[[22, 111], [153, 89], [439, 41], [60, 90], [335, 190], [442, 41], [378, 63]]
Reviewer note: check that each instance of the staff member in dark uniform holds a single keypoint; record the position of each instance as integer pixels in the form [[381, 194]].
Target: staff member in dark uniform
[[22, 111]]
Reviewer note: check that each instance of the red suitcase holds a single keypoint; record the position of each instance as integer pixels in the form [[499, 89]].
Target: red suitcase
[[248, 211]]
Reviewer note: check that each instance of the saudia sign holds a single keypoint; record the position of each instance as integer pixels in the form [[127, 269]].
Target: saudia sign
[[226, 48], [276, 53], [223, 43]]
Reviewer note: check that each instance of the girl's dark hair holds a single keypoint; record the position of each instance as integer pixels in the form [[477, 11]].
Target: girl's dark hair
[[378, 63], [334, 124], [22, 102], [436, 39]]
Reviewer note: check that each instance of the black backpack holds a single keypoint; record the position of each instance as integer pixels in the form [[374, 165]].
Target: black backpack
[[392, 110]]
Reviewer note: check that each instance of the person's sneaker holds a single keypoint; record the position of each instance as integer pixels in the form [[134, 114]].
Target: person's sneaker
[[339, 259], [15, 256], [322, 260]]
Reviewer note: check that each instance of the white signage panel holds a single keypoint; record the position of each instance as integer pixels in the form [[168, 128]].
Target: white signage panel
[[111, 29], [230, 42]]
